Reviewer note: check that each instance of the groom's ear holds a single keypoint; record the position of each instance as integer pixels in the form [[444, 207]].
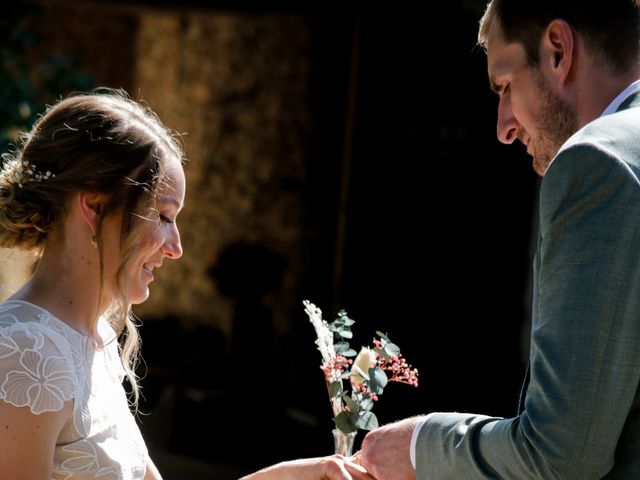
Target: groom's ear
[[557, 51]]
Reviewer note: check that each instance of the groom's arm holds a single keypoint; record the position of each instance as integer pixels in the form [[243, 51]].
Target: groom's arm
[[584, 351], [585, 338]]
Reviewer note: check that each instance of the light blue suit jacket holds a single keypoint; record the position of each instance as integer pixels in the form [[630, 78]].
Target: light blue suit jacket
[[582, 408]]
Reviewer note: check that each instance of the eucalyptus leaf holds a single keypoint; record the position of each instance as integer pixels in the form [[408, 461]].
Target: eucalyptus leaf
[[392, 349], [382, 336], [345, 334], [335, 328], [377, 380], [341, 347], [344, 422], [366, 404], [350, 353], [378, 375], [348, 322], [375, 388], [367, 420], [382, 353], [353, 406], [335, 389]]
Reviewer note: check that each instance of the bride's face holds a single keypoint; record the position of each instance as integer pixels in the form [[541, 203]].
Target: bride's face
[[157, 237]]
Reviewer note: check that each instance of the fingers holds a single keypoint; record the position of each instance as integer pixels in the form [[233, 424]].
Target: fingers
[[348, 470], [359, 459], [358, 462], [358, 472]]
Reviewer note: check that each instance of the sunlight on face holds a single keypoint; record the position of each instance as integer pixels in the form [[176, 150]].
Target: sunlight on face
[[156, 237], [528, 110], [161, 237], [556, 122]]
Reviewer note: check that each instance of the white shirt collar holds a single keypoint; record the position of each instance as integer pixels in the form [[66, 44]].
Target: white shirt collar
[[622, 96]]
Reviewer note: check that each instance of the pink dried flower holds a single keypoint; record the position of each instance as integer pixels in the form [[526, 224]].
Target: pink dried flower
[[367, 374], [400, 370], [334, 367]]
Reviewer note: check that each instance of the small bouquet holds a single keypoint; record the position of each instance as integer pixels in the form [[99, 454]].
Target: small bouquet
[[368, 374]]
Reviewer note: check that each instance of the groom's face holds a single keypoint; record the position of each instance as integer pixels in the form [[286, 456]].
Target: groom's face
[[528, 109]]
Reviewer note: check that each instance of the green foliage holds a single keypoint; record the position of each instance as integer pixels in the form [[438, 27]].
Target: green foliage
[[345, 423], [29, 79], [377, 380], [388, 349], [367, 421], [353, 408], [359, 404], [335, 389]]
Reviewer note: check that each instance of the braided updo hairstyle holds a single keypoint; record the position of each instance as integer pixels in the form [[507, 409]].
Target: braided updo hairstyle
[[101, 141]]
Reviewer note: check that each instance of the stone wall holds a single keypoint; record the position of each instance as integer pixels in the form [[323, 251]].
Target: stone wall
[[234, 86]]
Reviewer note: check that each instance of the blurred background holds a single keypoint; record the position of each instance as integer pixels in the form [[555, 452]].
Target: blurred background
[[340, 153]]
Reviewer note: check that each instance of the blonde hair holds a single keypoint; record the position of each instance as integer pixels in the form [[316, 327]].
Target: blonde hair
[[101, 141], [485, 24]]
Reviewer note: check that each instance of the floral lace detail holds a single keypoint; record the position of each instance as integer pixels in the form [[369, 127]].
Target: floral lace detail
[[85, 458], [42, 384], [7, 347], [43, 363]]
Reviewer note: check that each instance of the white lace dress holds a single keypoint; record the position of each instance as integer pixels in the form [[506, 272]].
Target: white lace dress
[[43, 363]]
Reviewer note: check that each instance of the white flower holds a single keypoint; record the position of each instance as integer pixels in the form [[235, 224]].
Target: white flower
[[325, 336], [364, 361]]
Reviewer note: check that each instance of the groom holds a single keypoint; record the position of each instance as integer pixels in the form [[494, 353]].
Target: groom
[[566, 75]]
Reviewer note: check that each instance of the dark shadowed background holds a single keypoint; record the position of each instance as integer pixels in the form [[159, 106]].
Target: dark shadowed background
[[345, 155]]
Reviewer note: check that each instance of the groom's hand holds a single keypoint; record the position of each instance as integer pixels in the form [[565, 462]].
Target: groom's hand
[[385, 451]]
